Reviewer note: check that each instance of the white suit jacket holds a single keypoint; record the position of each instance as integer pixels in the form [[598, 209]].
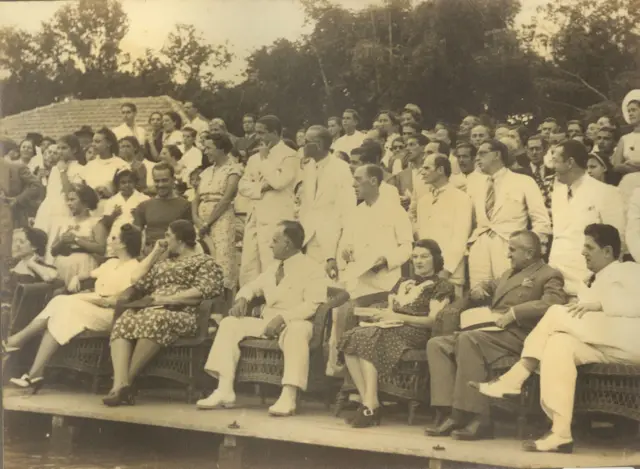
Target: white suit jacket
[[302, 289], [518, 201], [446, 219], [324, 211], [280, 170], [380, 230], [592, 202], [632, 236]]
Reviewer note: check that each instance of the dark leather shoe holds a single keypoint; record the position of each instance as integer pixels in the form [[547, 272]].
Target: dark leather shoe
[[475, 430], [444, 429]]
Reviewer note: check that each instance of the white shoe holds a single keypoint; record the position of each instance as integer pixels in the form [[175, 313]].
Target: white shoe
[[498, 389], [282, 409], [217, 400], [550, 443]]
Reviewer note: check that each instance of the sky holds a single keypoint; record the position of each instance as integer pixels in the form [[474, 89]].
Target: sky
[[245, 25]]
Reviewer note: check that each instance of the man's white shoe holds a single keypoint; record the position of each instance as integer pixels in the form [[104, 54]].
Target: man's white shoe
[[282, 409], [498, 389], [217, 400]]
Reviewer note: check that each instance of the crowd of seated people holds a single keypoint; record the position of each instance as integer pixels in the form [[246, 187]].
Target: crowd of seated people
[[533, 239]]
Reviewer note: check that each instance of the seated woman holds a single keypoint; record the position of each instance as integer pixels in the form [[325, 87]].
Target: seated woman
[[82, 242], [174, 279], [66, 316], [369, 351]]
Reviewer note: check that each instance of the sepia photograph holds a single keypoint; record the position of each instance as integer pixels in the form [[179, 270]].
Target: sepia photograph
[[320, 234]]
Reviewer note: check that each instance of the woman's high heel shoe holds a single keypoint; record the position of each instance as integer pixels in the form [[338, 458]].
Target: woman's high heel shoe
[[125, 395], [352, 416], [25, 382], [367, 418]]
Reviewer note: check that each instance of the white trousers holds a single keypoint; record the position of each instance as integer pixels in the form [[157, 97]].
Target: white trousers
[[294, 343], [488, 258], [562, 343], [69, 315], [256, 250]]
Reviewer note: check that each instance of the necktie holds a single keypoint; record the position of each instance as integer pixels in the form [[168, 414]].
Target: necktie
[[591, 280], [569, 193], [435, 193], [537, 174], [280, 273], [490, 199]]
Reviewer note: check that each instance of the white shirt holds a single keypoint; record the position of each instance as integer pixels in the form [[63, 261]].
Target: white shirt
[[114, 276], [198, 124], [127, 207], [347, 143], [389, 193], [632, 236], [174, 138], [297, 297], [465, 182], [99, 172], [616, 289], [191, 160], [123, 130]]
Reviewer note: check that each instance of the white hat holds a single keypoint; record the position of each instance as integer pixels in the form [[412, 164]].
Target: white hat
[[633, 95]]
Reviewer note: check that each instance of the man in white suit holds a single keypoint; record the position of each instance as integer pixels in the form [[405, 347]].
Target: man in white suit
[[293, 288], [445, 214], [327, 199], [602, 327], [577, 201], [378, 238], [633, 226], [269, 181], [506, 202]]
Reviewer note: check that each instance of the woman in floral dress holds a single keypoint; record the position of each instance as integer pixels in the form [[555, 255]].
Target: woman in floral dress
[[213, 205], [373, 350], [173, 280]]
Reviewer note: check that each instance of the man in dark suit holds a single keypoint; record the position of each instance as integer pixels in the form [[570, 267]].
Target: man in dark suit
[[544, 176], [519, 299]]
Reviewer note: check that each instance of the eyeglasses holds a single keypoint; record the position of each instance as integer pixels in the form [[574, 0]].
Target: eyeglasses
[[398, 147], [535, 149]]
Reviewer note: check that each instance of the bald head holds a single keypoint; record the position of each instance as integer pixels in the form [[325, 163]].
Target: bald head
[[525, 249]]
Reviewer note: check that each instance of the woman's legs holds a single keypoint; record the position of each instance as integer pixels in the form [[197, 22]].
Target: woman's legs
[[144, 351], [370, 398], [48, 347], [357, 375], [32, 329], [120, 356]]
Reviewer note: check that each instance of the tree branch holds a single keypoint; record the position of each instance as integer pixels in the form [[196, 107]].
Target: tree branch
[[584, 82], [553, 101]]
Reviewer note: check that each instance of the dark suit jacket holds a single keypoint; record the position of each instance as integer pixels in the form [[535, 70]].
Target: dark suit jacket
[[529, 292], [403, 181], [526, 170]]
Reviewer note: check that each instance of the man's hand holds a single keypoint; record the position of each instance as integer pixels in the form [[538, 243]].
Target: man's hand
[[380, 264], [577, 310], [478, 293], [331, 268], [74, 285], [445, 274], [275, 327], [239, 308], [504, 320]]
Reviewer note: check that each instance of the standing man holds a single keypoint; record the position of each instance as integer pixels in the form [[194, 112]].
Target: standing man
[[269, 181], [465, 155], [243, 144], [543, 176], [468, 123], [194, 120], [408, 181], [578, 200], [445, 214], [328, 199], [479, 134], [129, 128], [352, 137], [370, 153], [504, 203], [378, 238]]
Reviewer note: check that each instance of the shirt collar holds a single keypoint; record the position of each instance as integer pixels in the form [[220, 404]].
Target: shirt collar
[[609, 268], [291, 262], [499, 174], [578, 182]]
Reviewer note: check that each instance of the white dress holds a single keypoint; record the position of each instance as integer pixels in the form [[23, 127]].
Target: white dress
[[77, 263], [631, 153], [69, 315], [127, 207]]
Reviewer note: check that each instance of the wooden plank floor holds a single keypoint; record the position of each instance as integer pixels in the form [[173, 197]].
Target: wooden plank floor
[[314, 425]]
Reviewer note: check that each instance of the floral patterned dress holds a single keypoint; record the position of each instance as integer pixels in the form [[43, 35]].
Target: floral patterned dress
[[384, 347], [165, 324], [221, 240]]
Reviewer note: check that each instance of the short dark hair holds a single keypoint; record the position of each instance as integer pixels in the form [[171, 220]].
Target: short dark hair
[[575, 150], [86, 195], [272, 123], [533, 241], [174, 151], [111, 138], [133, 141], [323, 134], [612, 130], [393, 117], [374, 171], [49, 139], [443, 162], [251, 115], [154, 113], [575, 121], [501, 148], [164, 166], [415, 126], [130, 105], [35, 138], [416, 116], [191, 131], [294, 231], [443, 147], [131, 237], [184, 231], [74, 144], [548, 120], [605, 236], [421, 138], [370, 152], [436, 253], [175, 117], [468, 146], [221, 142], [541, 138], [353, 113], [37, 238], [124, 173]]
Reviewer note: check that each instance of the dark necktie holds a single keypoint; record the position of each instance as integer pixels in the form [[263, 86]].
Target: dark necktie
[[569, 193], [490, 200], [280, 273], [591, 280]]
